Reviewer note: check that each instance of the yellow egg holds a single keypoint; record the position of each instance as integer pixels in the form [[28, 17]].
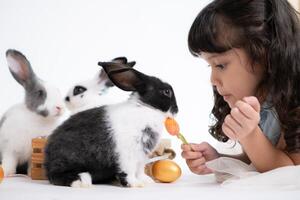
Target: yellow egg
[[166, 171], [1, 174]]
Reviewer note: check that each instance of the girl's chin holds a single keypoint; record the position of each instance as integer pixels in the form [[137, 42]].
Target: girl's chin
[[231, 103]]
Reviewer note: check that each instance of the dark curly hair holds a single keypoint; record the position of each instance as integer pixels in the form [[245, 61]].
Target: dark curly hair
[[269, 32]]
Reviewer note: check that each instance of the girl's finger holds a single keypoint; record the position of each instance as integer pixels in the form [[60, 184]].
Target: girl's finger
[[233, 124], [238, 116], [253, 101], [247, 110], [197, 162], [188, 147], [185, 147], [202, 147], [226, 129], [191, 154]]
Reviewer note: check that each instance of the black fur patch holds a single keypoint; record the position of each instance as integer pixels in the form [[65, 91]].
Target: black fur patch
[[83, 143], [122, 178], [79, 90], [22, 169], [149, 140], [152, 93]]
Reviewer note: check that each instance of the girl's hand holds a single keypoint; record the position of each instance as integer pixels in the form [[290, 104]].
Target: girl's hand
[[243, 119], [196, 156]]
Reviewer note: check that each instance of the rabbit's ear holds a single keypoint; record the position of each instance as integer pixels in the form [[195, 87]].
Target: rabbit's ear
[[123, 60], [120, 60], [103, 78], [20, 67], [124, 77], [131, 64]]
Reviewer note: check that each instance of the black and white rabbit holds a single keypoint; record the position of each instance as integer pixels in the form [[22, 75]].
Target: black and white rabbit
[[38, 115], [93, 92], [112, 141]]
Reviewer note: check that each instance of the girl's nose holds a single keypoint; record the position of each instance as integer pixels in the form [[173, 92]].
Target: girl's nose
[[213, 78]]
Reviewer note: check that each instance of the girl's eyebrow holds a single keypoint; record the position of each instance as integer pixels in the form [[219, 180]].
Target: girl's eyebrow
[[216, 57], [209, 58], [212, 56]]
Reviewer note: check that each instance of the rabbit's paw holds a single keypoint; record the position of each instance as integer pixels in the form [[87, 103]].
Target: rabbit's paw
[[85, 181], [146, 179], [133, 182]]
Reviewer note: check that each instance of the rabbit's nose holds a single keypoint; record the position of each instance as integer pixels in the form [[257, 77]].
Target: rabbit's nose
[[58, 108], [67, 98]]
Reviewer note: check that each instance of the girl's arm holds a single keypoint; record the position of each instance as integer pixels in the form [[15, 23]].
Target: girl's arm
[[242, 125], [242, 157], [264, 155]]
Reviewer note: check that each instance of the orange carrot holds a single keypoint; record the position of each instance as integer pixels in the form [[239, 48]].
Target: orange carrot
[[1, 174], [173, 128]]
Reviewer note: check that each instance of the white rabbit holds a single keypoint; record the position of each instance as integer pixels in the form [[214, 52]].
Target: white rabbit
[[94, 92], [112, 141], [38, 115]]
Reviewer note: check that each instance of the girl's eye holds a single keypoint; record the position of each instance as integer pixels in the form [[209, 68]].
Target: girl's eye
[[220, 66]]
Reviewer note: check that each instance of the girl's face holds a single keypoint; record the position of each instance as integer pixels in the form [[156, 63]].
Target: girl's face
[[232, 74]]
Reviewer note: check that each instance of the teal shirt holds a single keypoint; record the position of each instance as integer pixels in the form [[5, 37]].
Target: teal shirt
[[269, 123]]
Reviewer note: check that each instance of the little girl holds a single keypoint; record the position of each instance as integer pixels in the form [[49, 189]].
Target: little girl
[[253, 49]]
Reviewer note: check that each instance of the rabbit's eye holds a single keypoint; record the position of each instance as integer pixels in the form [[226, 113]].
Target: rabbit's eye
[[167, 93], [78, 90], [40, 93]]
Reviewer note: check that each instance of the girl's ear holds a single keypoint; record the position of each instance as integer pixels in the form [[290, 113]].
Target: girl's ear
[[124, 77]]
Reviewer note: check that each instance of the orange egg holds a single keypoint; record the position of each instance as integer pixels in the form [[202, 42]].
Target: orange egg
[[1, 173], [166, 171]]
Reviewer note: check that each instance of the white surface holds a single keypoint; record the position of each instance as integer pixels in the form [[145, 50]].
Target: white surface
[[189, 186]]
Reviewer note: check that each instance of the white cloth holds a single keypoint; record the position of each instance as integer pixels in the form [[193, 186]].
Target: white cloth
[[233, 173]]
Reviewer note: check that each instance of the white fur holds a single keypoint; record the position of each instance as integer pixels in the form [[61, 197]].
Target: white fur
[[127, 120], [21, 125], [97, 94], [84, 181], [54, 99]]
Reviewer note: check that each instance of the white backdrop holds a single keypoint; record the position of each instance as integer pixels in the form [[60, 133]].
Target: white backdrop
[[64, 40]]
